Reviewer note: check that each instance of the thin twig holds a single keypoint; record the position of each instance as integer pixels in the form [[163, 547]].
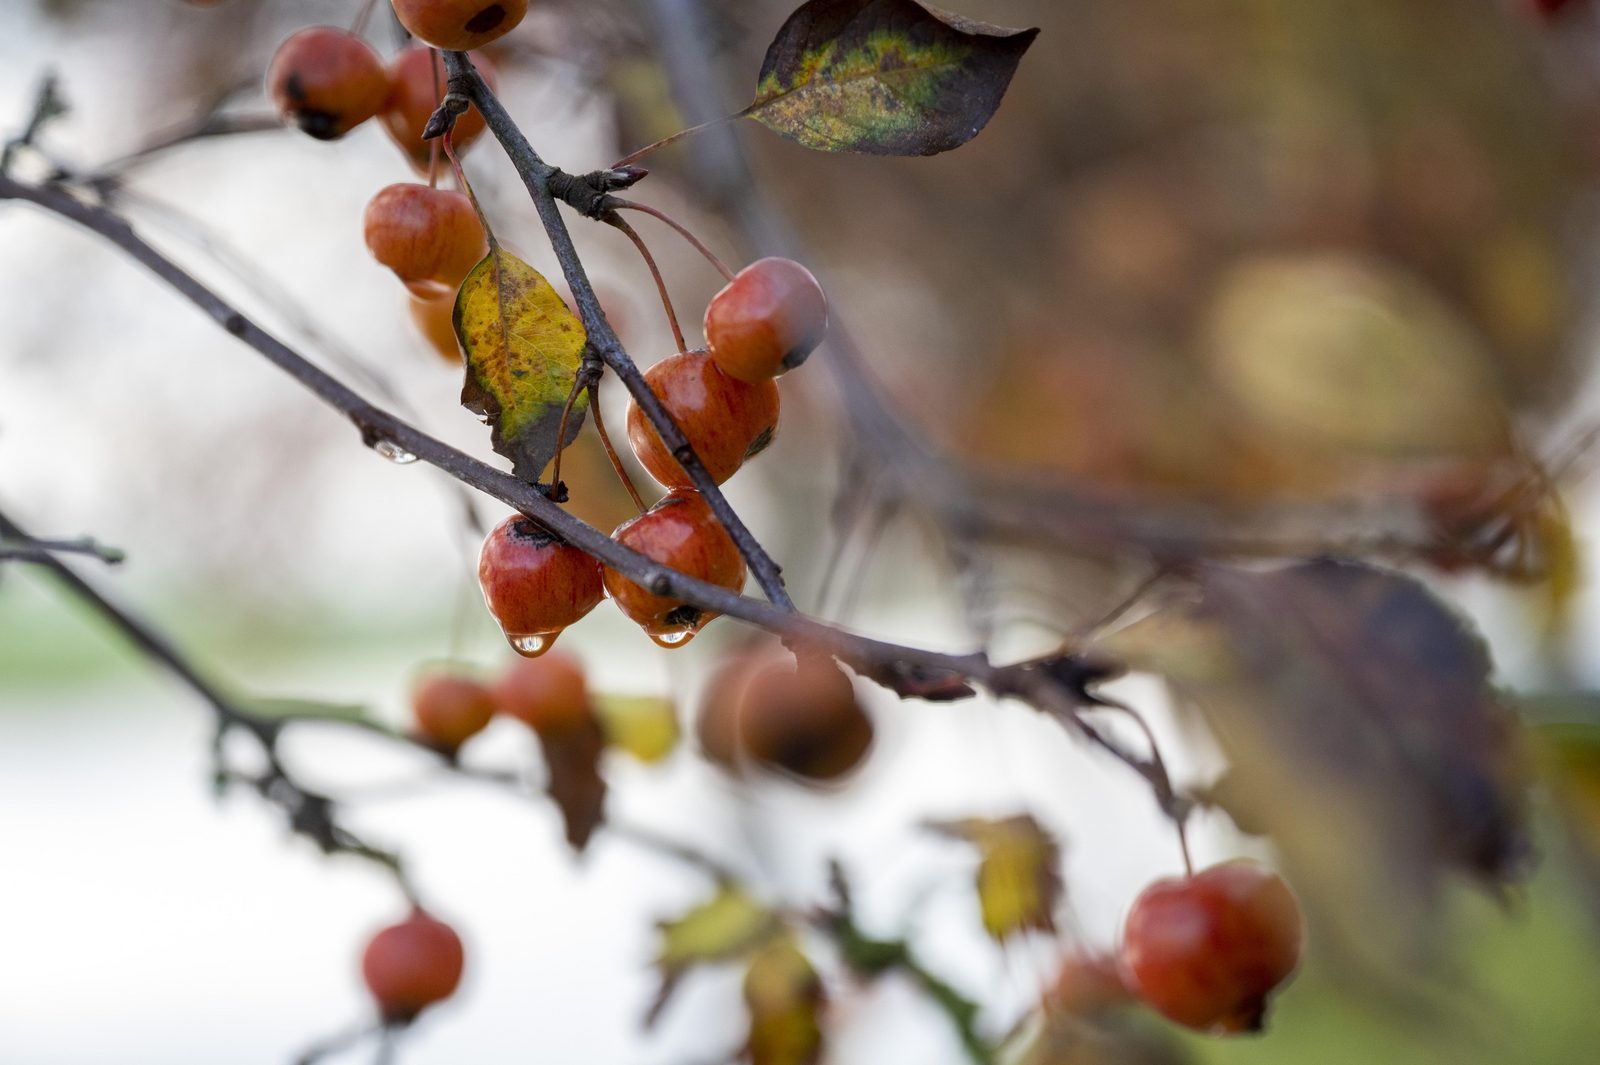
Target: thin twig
[[308, 813], [16, 550]]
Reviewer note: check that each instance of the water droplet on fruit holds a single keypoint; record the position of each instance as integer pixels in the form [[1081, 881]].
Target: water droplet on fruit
[[671, 637], [532, 645], [393, 452]]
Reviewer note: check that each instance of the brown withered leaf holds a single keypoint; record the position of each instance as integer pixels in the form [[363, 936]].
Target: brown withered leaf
[[1362, 735], [574, 783], [1019, 878]]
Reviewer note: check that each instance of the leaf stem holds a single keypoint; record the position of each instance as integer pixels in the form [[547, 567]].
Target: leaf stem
[[664, 142]]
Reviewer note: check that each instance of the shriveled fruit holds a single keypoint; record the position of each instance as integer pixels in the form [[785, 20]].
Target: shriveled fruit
[[411, 965], [431, 238], [534, 584], [768, 319], [725, 421], [549, 694], [450, 709], [803, 717], [1207, 950], [416, 87], [681, 533], [326, 81], [459, 25]]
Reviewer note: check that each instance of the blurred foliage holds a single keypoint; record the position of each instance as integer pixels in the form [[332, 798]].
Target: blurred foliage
[[1236, 248]]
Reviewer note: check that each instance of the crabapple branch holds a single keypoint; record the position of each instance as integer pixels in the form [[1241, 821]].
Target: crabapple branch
[[899, 667], [538, 176], [908, 671], [309, 813], [17, 549]]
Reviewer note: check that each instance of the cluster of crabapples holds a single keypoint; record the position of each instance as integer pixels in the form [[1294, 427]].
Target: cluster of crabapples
[[1206, 951], [417, 962], [327, 81], [765, 321]]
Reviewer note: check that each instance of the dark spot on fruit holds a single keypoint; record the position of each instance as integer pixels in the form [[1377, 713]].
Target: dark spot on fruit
[[322, 125], [685, 616], [528, 529], [486, 20], [759, 444], [293, 89], [795, 356]]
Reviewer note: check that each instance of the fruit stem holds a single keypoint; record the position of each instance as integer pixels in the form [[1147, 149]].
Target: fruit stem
[[561, 431], [612, 219], [611, 452], [651, 149], [447, 139], [683, 231], [434, 63]]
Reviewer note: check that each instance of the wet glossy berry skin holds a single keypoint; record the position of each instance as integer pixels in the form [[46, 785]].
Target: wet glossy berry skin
[[459, 25], [534, 584], [416, 86], [1207, 951], [679, 532], [326, 81], [767, 320], [726, 421], [431, 238], [802, 717], [450, 709], [549, 694], [411, 965]]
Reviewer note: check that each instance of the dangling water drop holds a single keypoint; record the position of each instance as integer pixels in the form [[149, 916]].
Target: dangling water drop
[[393, 451], [672, 637], [532, 645]]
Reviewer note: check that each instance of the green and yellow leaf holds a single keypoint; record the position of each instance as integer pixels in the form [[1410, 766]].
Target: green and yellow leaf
[[724, 926], [523, 347], [884, 77]]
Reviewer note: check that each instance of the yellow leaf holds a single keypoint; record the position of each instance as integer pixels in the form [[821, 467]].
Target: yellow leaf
[[784, 995], [523, 347], [643, 725], [1018, 880]]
